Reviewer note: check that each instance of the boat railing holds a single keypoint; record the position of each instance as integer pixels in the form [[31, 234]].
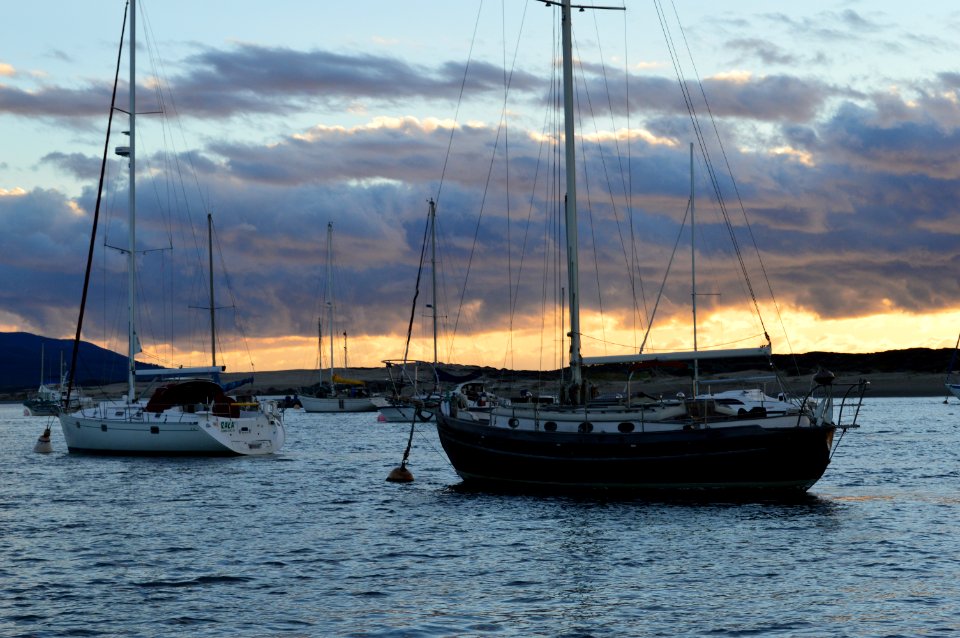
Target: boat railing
[[823, 397]]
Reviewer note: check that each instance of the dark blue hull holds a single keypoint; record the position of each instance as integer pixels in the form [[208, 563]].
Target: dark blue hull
[[730, 458]]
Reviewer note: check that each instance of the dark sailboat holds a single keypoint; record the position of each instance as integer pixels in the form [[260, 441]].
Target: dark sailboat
[[643, 444]]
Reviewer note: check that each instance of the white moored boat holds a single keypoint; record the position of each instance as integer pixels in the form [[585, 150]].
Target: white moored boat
[[187, 416]]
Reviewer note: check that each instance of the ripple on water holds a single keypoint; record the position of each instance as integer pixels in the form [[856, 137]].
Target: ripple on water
[[315, 542]]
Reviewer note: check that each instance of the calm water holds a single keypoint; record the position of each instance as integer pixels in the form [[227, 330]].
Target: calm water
[[314, 542]]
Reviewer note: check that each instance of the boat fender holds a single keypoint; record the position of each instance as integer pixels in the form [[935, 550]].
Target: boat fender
[[423, 416], [461, 402], [513, 422]]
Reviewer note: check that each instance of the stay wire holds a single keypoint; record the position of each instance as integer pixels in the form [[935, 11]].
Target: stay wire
[[736, 190], [691, 109]]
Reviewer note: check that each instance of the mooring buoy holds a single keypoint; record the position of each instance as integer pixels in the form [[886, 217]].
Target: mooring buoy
[[43, 445], [400, 475]]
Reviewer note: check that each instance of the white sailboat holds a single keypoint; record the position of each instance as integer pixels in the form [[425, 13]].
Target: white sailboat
[[49, 397], [190, 415], [335, 395], [636, 445]]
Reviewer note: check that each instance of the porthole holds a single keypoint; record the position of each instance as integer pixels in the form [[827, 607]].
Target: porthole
[[586, 426], [550, 426], [625, 427]]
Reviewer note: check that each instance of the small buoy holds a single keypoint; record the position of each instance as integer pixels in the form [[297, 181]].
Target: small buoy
[[400, 475], [43, 445]]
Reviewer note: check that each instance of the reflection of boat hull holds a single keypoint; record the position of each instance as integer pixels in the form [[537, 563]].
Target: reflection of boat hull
[[733, 457], [337, 404], [169, 433]]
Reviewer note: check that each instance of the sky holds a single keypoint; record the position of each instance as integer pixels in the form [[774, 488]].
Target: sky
[[831, 127]]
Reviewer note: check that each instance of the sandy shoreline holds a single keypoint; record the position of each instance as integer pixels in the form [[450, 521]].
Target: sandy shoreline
[[508, 383], [907, 384]]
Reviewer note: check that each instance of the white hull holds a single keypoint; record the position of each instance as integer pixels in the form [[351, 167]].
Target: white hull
[[116, 428], [405, 414], [954, 389], [337, 404]]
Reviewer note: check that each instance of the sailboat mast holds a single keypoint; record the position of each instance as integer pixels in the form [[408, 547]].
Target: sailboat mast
[[573, 273], [132, 241], [693, 279], [330, 294], [433, 272], [213, 311]]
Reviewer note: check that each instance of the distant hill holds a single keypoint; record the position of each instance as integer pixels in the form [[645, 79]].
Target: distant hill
[[20, 362]]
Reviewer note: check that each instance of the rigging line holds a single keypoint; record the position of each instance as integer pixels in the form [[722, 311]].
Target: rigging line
[[634, 257], [508, 351], [606, 172], [486, 190], [96, 218], [587, 193], [416, 291], [456, 113], [548, 131], [691, 109], [666, 273], [172, 116], [733, 181], [701, 138], [237, 315], [616, 144]]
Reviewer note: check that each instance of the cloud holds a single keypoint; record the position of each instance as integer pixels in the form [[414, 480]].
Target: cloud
[[850, 195]]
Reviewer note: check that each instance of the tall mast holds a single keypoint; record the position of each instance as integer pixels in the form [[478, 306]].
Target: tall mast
[[330, 295], [573, 273], [213, 315], [433, 272], [693, 279], [132, 348]]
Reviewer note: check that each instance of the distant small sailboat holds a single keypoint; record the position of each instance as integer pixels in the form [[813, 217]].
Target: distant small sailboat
[[49, 397], [338, 394]]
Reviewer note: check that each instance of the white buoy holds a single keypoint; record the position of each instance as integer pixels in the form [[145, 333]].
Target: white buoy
[[43, 445]]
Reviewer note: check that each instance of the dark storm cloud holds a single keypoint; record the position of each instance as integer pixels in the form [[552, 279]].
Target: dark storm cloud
[[83, 167], [249, 79], [864, 224], [53, 101]]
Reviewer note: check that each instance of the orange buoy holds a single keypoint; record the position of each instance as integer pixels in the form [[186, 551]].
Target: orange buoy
[[400, 475]]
